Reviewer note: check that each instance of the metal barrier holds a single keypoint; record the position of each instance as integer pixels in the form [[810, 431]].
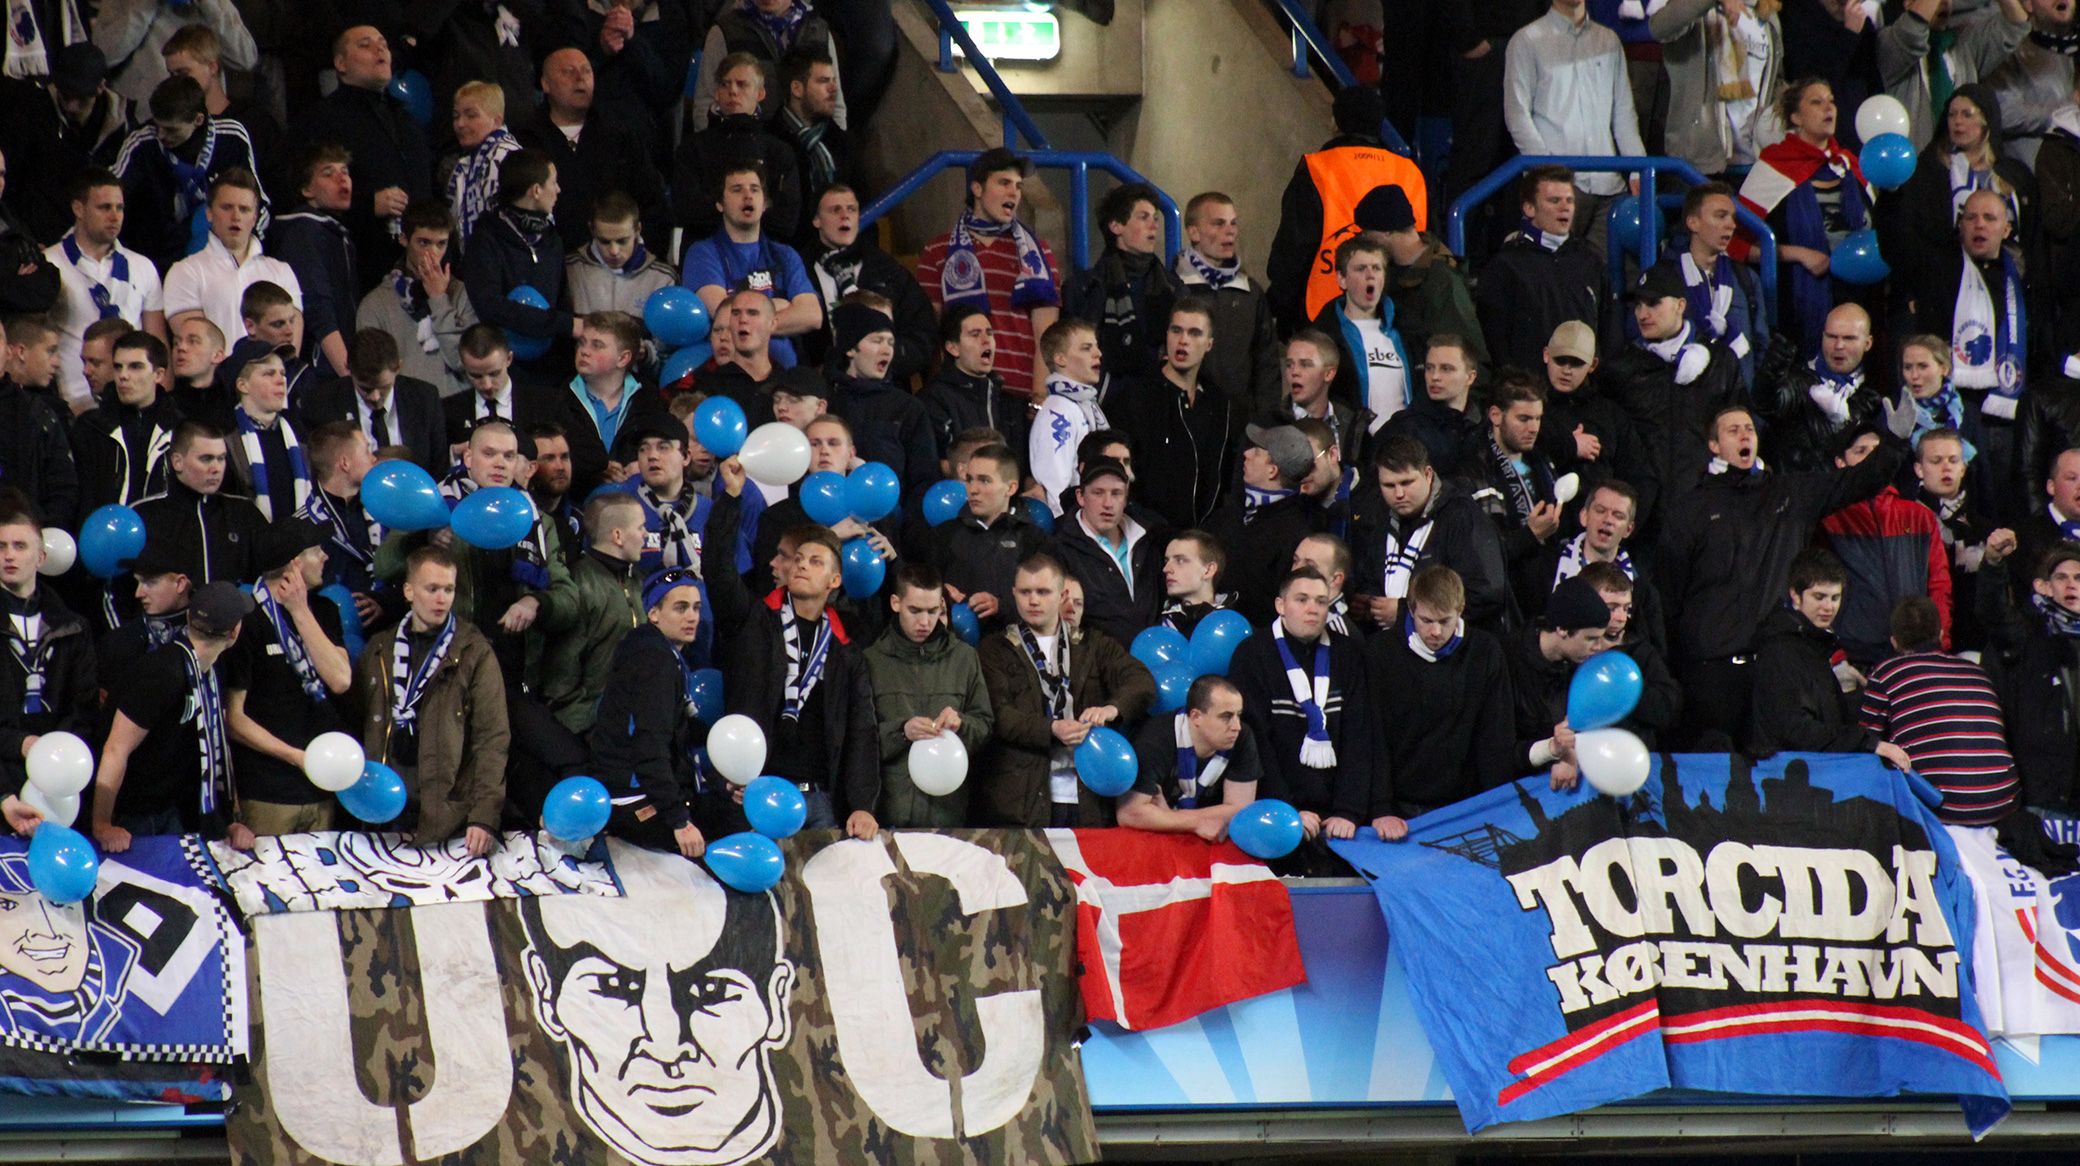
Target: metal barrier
[[1308, 41], [1015, 116], [1079, 164], [1649, 223]]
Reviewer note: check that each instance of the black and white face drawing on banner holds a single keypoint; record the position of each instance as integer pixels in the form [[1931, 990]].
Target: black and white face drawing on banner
[[668, 1006]]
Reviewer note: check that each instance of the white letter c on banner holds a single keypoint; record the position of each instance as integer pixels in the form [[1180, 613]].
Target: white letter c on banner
[[863, 976]]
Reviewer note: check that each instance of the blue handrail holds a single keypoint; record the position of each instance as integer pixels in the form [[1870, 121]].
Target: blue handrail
[[1079, 164], [1309, 41], [1648, 168], [951, 33]]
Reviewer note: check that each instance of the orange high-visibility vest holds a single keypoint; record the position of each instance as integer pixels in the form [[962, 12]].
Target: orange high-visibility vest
[[1343, 176]]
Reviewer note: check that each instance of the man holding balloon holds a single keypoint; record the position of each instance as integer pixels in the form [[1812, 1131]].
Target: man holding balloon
[[805, 689], [930, 703], [51, 686]]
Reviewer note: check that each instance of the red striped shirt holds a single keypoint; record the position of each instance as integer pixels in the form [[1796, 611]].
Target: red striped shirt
[[1016, 344], [1942, 710]]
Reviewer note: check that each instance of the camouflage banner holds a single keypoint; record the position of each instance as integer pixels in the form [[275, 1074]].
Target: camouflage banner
[[905, 1000]]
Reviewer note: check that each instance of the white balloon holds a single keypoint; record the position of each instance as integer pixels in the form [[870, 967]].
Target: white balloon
[[333, 761], [59, 552], [737, 747], [62, 809], [938, 765], [776, 454], [1882, 114], [60, 764], [1565, 487], [1615, 761]]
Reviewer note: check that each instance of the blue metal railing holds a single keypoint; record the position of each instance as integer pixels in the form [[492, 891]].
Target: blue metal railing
[[1308, 41], [1015, 116], [1647, 169], [1079, 164]]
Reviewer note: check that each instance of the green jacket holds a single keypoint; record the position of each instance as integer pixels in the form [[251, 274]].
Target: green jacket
[[580, 627], [1431, 298], [919, 680]]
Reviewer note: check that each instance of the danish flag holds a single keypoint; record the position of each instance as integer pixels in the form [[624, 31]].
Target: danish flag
[[1169, 926]]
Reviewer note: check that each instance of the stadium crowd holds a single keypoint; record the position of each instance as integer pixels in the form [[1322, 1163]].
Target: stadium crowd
[[1434, 488]]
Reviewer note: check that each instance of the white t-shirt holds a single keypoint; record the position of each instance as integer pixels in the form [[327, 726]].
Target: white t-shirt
[[213, 282], [1061, 760], [1386, 378]]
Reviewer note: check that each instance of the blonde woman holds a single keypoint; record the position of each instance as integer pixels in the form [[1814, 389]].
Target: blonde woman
[[480, 129]]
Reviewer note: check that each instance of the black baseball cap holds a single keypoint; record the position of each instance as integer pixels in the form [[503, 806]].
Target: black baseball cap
[[279, 542], [218, 607], [1102, 468], [1657, 283]]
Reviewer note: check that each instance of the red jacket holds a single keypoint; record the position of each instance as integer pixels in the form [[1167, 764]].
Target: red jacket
[[1893, 548]]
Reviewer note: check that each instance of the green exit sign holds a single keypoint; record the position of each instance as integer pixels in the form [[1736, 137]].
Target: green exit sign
[[1009, 34]]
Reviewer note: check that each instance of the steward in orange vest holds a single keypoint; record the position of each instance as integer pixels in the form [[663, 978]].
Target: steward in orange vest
[[1317, 211]]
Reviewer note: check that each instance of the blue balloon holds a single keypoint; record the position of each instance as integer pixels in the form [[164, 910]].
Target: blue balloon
[[823, 498], [493, 518], [1856, 260], [111, 536], [415, 92], [1266, 828], [378, 797], [774, 807], [525, 346], [872, 492], [1173, 684], [1604, 691], [1214, 641], [684, 363], [944, 502], [720, 426], [705, 688], [965, 625], [1161, 644], [402, 496], [577, 809], [63, 866], [1037, 511], [746, 862], [1625, 225], [677, 317], [1105, 761], [864, 569], [1887, 161]]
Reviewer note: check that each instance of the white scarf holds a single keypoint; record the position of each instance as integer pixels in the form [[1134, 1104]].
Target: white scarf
[[1691, 360], [1311, 693], [1083, 396], [27, 54], [1207, 771], [1974, 307], [256, 463], [802, 675], [1422, 650], [1722, 303], [1402, 558], [1965, 181], [1830, 393], [1574, 555]]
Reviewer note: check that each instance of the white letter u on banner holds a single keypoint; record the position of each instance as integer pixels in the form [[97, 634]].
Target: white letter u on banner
[[306, 1011]]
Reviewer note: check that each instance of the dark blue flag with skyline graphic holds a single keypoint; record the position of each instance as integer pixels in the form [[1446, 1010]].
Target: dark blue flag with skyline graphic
[[1797, 927]]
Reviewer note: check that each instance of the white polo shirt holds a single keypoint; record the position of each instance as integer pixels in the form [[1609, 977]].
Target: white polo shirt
[[128, 286], [214, 282]]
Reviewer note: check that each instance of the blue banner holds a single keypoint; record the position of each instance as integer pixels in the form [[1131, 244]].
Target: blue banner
[[137, 992], [1793, 928]]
